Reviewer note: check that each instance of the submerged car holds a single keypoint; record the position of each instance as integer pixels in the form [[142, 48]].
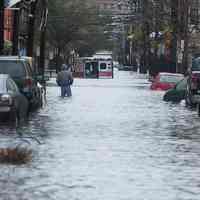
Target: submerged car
[[192, 97], [177, 93], [13, 104], [165, 81]]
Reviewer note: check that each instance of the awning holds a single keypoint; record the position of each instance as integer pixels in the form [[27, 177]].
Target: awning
[[10, 3]]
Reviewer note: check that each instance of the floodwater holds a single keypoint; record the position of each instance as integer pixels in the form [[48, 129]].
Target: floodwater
[[113, 140]]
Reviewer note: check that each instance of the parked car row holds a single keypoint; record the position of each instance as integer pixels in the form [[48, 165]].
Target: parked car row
[[13, 104], [178, 92], [20, 88], [187, 88], [165, 81], [193, 84]]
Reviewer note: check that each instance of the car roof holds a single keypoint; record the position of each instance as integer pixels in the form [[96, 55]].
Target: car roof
[[170, 74], [4, 76], [14, 58]]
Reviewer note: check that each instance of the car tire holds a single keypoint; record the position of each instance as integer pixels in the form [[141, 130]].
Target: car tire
[[188, 100], [14, 118], [41, 100], [198, 109]]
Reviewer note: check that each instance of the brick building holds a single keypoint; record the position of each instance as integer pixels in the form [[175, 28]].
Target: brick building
[[8, 25]]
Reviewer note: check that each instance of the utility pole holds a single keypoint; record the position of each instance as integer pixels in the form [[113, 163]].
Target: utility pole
[[43, 37], [1, 26], [15, 32], [186, 9], [31, 26], [175, 25], [144, 61]]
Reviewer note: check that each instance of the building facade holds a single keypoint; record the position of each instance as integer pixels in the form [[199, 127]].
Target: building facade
[[16, 20], [121, 14], [114, 6], [8, 25]]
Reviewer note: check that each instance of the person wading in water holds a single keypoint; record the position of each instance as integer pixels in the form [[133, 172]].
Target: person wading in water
[[65, 80]]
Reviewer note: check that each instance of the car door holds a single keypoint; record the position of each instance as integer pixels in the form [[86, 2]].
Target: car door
[[20, 101]]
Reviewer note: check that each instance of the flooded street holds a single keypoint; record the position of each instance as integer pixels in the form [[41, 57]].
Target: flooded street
[[113, 140]]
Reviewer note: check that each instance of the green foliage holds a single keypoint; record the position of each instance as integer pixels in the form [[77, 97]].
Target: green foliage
[[138, 34], [7, 47]]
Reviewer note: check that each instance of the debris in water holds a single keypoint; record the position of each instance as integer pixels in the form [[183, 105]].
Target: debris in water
[[15, 155]]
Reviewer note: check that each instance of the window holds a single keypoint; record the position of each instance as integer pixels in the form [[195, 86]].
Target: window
[[13, 68], [194, 15], [103, 66], [196, 64], [11, 86], [170, 78], [30, 72], [182, 84]]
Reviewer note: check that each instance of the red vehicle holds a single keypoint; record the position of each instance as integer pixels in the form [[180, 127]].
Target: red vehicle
[[165, 81]]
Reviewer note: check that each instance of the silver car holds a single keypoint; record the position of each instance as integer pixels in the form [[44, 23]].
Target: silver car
[[13, 104]]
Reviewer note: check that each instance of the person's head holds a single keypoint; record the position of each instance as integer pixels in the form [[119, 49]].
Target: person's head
[[64, 67]]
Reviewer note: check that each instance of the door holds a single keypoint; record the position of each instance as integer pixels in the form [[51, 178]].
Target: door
[[105, 69], [91, 69]]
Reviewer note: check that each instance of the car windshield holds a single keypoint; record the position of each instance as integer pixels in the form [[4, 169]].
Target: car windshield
[[13, 68], [181, 85], [2, 85], [196, 65], [170, 78]]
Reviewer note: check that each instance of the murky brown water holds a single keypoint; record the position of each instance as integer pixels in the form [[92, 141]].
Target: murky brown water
[[113, 140]]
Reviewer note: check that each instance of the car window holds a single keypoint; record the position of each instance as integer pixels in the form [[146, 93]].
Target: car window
[[13, 68], [30, 72], [182, 84], [88, 66], [2, 86], [196, 64], [170, 78], [103, 66], [11, 86]]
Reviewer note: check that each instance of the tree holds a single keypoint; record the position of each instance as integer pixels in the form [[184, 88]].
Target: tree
[[75, 25]]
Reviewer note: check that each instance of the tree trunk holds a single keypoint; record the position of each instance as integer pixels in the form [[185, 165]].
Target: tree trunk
[[31, 32], [15, 33], [175, 24], [1, 27], [186, 36]]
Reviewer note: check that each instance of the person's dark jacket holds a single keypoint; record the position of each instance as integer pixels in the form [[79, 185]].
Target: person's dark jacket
[[64, 78]]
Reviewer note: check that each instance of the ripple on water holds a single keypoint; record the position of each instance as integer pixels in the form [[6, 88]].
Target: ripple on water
[[113, 140]]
